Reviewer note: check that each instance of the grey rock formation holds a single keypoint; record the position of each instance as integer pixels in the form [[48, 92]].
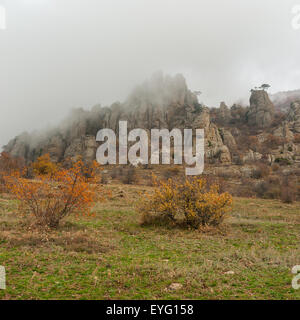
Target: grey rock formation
[[294, 116], [161, 102], [284, 132], [224, 114], [166, 102], [252, 156], [261, 111], [228, 139]]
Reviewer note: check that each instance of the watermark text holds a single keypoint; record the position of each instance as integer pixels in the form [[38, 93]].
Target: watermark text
[[188, 147], [296, 279], [2, 278], [2, 18], [296, 17]]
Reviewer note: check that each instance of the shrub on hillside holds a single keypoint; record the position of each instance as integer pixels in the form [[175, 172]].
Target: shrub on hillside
[[129, 176], [283, 161], [297, 138], [171, 172], [192, 203], [9, 164], [275, 167], [44, 166], [55, 195], [267, 189], [273, 142], [287, 190], [260, 171]]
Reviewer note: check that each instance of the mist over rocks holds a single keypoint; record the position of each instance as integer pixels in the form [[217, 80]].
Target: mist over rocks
[[160, 102], [166, 102], [282, 100]]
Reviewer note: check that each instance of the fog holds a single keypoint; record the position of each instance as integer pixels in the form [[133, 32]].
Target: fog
[[59, 54]]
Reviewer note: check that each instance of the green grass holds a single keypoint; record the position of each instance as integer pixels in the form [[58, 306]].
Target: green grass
[[110, 256]]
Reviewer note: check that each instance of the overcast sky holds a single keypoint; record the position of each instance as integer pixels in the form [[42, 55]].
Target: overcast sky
[[60, 54]]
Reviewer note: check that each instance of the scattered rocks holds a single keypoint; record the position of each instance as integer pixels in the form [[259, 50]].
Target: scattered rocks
[[252, 156], [175, 286], [230, 272]]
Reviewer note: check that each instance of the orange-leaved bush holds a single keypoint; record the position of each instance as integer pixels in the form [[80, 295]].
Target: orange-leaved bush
[[193, 203], [53, 196], [43, 165], [9, 164]]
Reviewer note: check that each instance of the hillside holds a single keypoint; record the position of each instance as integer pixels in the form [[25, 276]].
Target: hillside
[[110, 256], [282, 100]]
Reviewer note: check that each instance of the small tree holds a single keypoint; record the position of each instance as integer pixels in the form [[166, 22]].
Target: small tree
[[55, 195], [129, 176], [44, 166], [265, 86], [9, 164]]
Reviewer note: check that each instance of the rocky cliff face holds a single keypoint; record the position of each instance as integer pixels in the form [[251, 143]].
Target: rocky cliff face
[[294, 116], [261, 112], [166, 102], [161, 102]]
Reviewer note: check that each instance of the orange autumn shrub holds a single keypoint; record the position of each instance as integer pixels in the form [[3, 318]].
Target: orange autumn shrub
[[8, 164], [44, 165], [53, 196], [193, 203]]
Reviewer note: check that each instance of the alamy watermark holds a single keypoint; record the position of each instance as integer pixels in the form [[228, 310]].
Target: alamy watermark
[[2, 278], [2, 18], [187, 147], [296, 279], [296, 17]]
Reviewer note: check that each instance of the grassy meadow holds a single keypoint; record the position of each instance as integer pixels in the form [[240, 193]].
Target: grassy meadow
[[111, 256]]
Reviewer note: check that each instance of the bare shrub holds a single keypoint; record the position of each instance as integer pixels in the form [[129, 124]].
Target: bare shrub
[[104, 178], [297, 138], [116, 173], [283, 161], [273, 142], [275, 167], [129, 176], [8, 165], [267, 190], [287, 190], [245, 189], [171, 172], [261, 171]]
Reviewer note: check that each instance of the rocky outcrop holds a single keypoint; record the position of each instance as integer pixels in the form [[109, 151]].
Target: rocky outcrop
[[284, 132], [85, 146], [261, 111], [161, 102], [18, 147], [294, 116], [166, 102], [228, 139], [223, 114], [282, 100], [252, 156]]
